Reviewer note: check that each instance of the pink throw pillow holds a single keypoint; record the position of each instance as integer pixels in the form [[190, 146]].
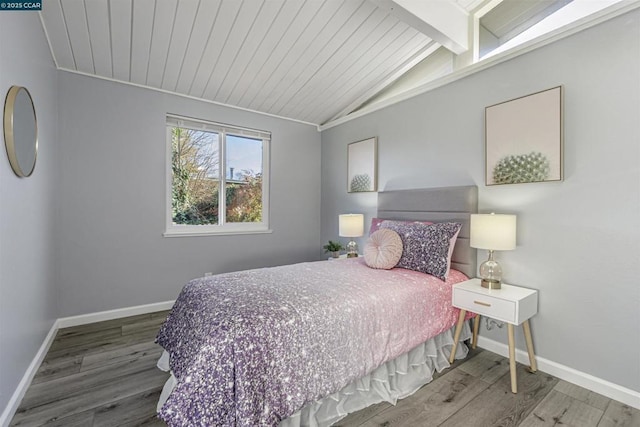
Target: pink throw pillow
[[383, 249], [452, 244]]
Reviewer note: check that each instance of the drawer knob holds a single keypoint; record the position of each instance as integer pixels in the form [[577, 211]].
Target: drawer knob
[[486, 304]]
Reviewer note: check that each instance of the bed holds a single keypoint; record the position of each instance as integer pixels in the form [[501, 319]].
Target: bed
[[306, 344]]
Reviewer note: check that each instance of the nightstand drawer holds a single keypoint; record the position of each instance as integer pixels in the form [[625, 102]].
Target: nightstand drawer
[[511, 304], [485, 305]]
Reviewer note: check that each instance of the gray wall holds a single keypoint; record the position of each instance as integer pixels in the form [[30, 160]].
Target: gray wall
[[109, 244], [27, 293], [578, 240]]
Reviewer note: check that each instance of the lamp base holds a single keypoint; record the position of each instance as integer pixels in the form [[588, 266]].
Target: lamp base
[[490, 283], [352, 249]]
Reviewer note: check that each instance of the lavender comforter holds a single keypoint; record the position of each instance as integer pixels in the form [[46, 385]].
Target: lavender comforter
[[251, 348]]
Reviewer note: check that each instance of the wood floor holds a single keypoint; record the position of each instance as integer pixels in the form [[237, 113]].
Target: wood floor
[[105, 374]]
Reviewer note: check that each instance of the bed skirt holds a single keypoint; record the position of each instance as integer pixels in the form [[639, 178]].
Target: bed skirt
[[393, 380]]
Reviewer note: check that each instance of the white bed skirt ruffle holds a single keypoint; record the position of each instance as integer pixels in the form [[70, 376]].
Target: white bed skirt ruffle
[[393, 380]]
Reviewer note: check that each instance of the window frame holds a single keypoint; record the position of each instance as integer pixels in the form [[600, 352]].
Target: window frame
[[189, 230]]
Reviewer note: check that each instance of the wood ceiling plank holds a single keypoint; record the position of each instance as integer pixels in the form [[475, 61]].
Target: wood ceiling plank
[[256, 88], [394, 74], [331, 70], [376, 73], [303, 42], [205, 19], [247, 53], [56, 29], [183, 28], [404, 49], [358, 74], [341, 44], [238, 34], [76, 20], [100, 33], [370, 47], [160, 39], [217, 39], [244, 82], [338, 30], [120, 13], [143, 12], [330, 19]]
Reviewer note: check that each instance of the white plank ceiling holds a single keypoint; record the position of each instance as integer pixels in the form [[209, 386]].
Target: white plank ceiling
[[307, 60]]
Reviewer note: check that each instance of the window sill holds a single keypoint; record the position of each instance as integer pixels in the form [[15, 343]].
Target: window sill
[[174, 233]]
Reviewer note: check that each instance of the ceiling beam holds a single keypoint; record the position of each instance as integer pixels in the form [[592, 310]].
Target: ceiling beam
[[476, 14], [442, 21]]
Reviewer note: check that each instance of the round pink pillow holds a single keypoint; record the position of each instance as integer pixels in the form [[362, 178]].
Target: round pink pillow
[[383, 249]]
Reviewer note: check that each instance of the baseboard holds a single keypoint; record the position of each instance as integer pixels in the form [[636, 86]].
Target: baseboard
[[101, 316], [66, 322], [595, 384], [18, 394]]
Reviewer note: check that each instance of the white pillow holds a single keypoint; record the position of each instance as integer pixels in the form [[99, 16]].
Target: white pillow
[[383, 249]]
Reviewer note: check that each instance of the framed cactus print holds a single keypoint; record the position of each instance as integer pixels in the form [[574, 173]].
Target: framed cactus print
[[362, 166], [524, 139]]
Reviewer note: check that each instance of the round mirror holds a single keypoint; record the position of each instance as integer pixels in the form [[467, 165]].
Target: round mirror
[[20, 131]]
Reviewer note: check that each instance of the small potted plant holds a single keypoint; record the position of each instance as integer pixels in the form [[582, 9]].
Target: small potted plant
[[333, 248]]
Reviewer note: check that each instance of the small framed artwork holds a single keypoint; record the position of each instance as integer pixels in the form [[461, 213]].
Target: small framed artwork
[[362, 166], [524, 139]]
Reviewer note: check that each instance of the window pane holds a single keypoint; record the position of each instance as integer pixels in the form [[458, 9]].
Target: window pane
[[244, 179], [195, 164]]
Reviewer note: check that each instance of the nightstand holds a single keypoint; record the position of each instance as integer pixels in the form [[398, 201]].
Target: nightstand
[[511, 304]]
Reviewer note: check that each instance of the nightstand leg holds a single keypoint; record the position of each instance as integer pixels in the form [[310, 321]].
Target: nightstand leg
[[512, 358], [456, 336], [476, 325], [527, 336]]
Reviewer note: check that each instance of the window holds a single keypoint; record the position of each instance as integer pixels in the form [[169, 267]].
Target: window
[[206, 160]]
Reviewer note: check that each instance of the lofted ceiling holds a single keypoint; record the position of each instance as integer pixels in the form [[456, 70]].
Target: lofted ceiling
[[308, 60]]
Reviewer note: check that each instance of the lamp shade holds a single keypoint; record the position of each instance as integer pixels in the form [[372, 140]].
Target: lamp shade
[[351, 225], [493, 232]]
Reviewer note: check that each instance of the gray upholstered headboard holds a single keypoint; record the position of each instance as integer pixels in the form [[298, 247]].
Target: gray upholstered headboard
[[443, 204]]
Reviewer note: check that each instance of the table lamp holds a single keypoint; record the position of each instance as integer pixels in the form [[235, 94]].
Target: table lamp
[[492, 232], [351, 225]]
